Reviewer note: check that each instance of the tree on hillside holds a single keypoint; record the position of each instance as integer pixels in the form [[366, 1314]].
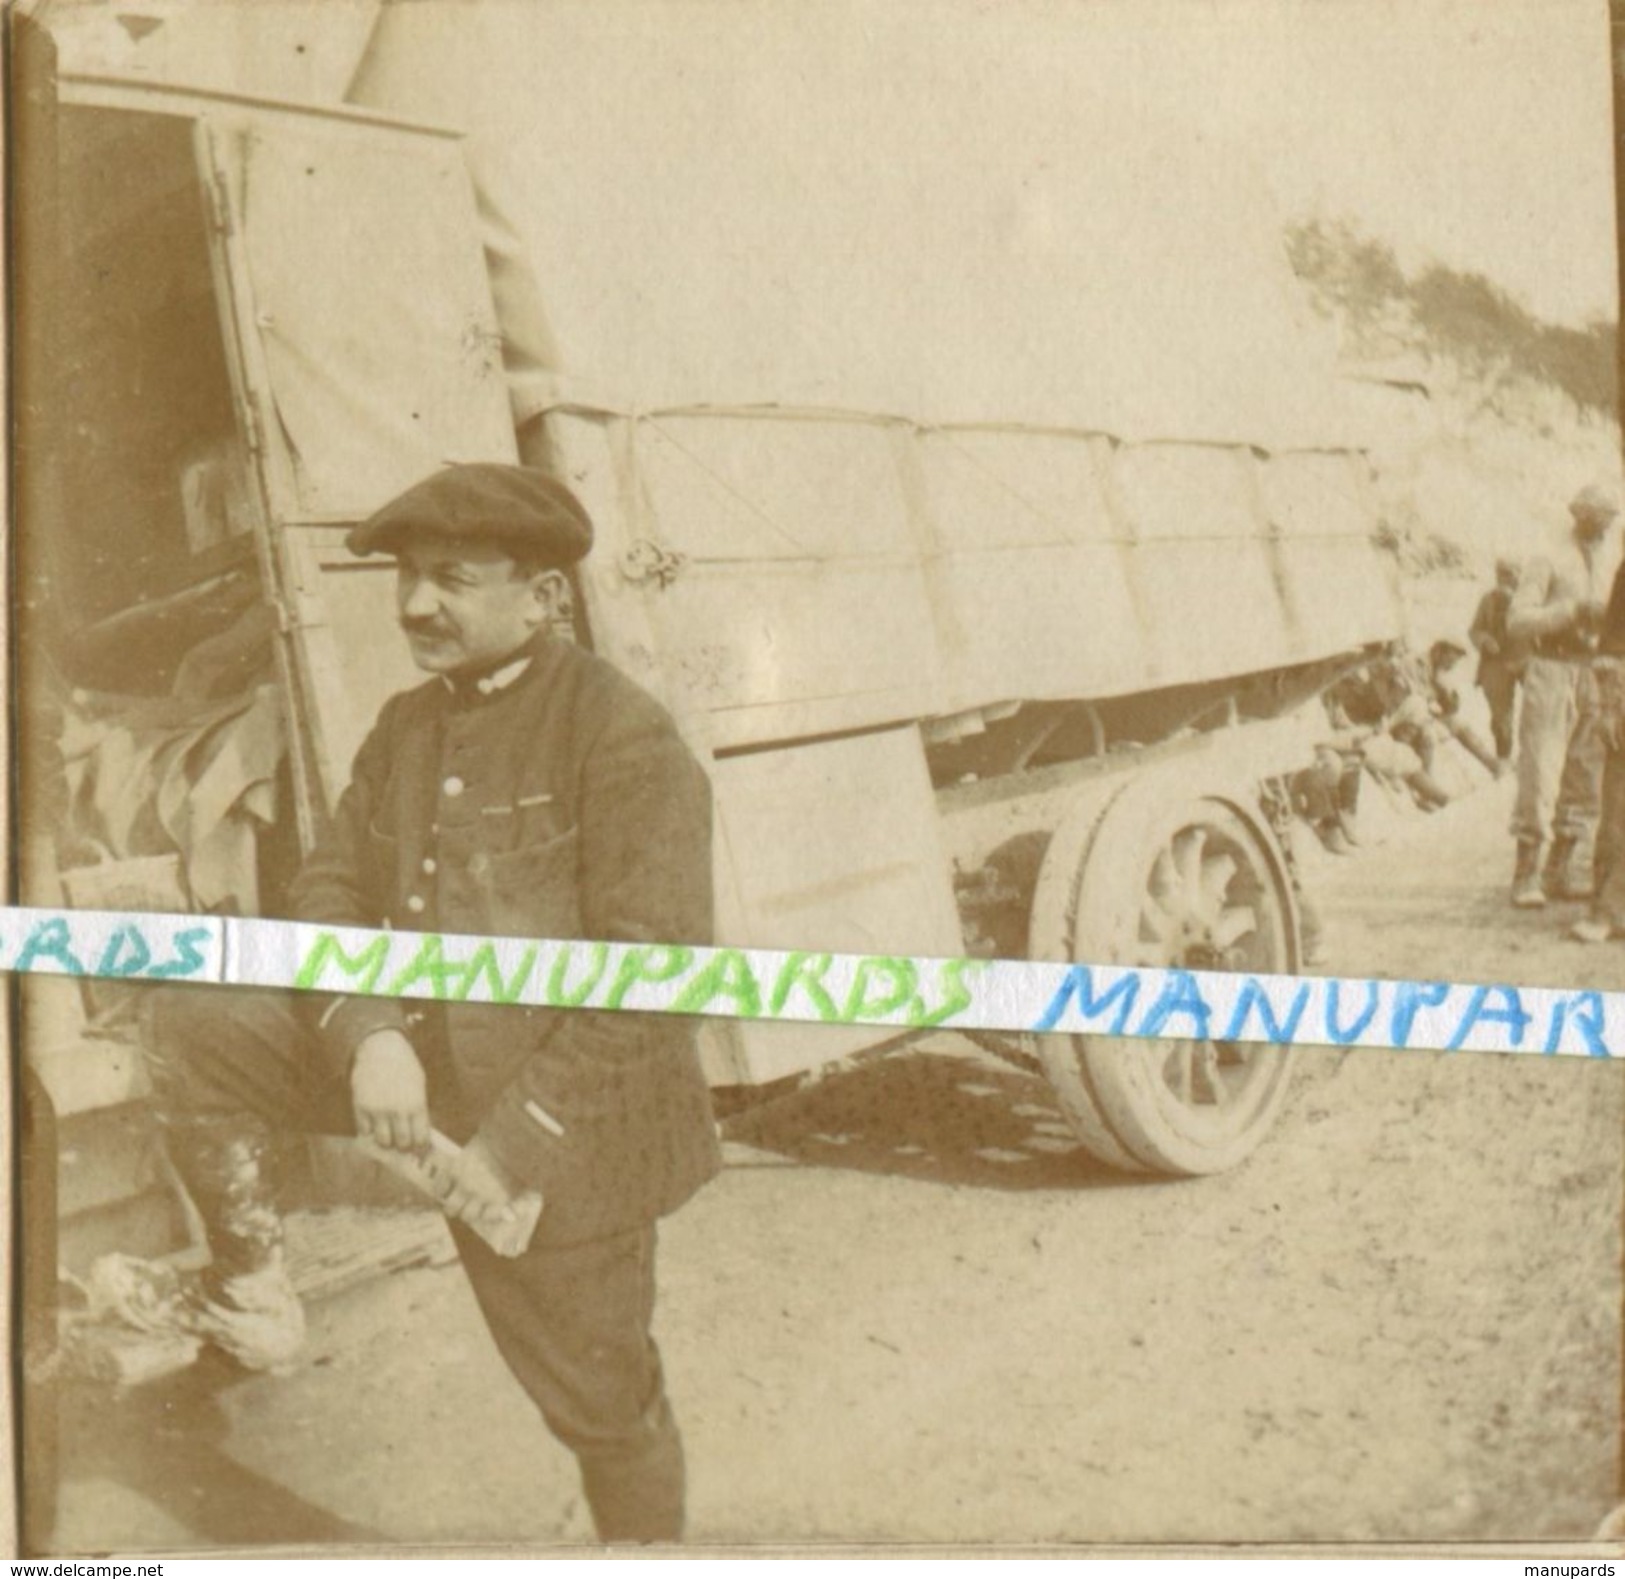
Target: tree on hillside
[[1458, 316]]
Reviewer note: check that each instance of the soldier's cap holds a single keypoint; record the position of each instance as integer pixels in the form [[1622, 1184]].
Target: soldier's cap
[[522, 509], [1595, 501]]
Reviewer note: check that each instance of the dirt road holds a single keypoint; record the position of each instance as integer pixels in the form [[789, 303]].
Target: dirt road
[[912, 1310]]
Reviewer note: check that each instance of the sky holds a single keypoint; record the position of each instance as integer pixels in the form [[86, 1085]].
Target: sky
[[1478, 132], [796, 195]]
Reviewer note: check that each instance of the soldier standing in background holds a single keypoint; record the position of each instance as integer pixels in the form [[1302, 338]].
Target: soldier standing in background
[[1607, 918], [1500, 657], [1557, 610]]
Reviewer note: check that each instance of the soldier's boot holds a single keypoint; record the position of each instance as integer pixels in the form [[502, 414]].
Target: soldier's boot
[[1560, 879], [1594, 929], [1527, 893], [245, 1302]]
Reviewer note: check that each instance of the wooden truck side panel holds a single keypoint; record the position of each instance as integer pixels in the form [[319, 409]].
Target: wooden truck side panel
[[802, 574]]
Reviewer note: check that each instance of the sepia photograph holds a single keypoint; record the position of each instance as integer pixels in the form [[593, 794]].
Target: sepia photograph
[[1051, 480]]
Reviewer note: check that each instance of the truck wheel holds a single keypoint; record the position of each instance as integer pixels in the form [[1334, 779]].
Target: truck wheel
[[1165, 877]]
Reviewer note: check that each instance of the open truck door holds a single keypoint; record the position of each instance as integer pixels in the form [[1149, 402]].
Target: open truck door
[[364, 352]]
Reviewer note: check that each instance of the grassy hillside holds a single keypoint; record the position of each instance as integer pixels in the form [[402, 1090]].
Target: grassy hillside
[[1519, 412], [1453, 316]]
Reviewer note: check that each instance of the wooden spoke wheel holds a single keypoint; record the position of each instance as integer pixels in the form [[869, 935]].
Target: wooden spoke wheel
[[1165, 876]]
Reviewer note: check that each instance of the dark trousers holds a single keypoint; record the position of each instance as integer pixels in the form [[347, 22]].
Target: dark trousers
[[1499, 683], [573, 1321], [1609, 904]]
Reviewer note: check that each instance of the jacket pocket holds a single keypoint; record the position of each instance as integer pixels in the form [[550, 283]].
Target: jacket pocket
[[532, 891], [381, 871]]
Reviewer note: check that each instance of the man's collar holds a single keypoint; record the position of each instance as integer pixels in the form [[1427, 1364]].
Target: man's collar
[[481, 684]]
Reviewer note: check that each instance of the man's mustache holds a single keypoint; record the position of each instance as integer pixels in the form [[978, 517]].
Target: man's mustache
[[425, 628]]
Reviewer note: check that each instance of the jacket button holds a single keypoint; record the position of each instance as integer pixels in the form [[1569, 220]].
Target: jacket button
[[479, 863], [453, 786], [428, 866], [415, 905]]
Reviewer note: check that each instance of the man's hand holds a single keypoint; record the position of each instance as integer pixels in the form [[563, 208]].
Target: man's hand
[[475, 1186], [390, 1094], [1489, 646]]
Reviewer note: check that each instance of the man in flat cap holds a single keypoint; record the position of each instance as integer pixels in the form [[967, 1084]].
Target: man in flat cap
[[527, 789], [1556, 611]]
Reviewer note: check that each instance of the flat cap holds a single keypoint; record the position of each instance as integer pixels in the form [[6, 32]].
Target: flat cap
[[1594, 500], [524, 509]]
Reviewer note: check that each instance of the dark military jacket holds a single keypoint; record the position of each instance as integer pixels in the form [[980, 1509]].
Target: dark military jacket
[[1490, 621], [559, 805]]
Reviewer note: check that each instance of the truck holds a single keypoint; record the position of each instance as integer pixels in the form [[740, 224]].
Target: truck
[[986, 687]]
